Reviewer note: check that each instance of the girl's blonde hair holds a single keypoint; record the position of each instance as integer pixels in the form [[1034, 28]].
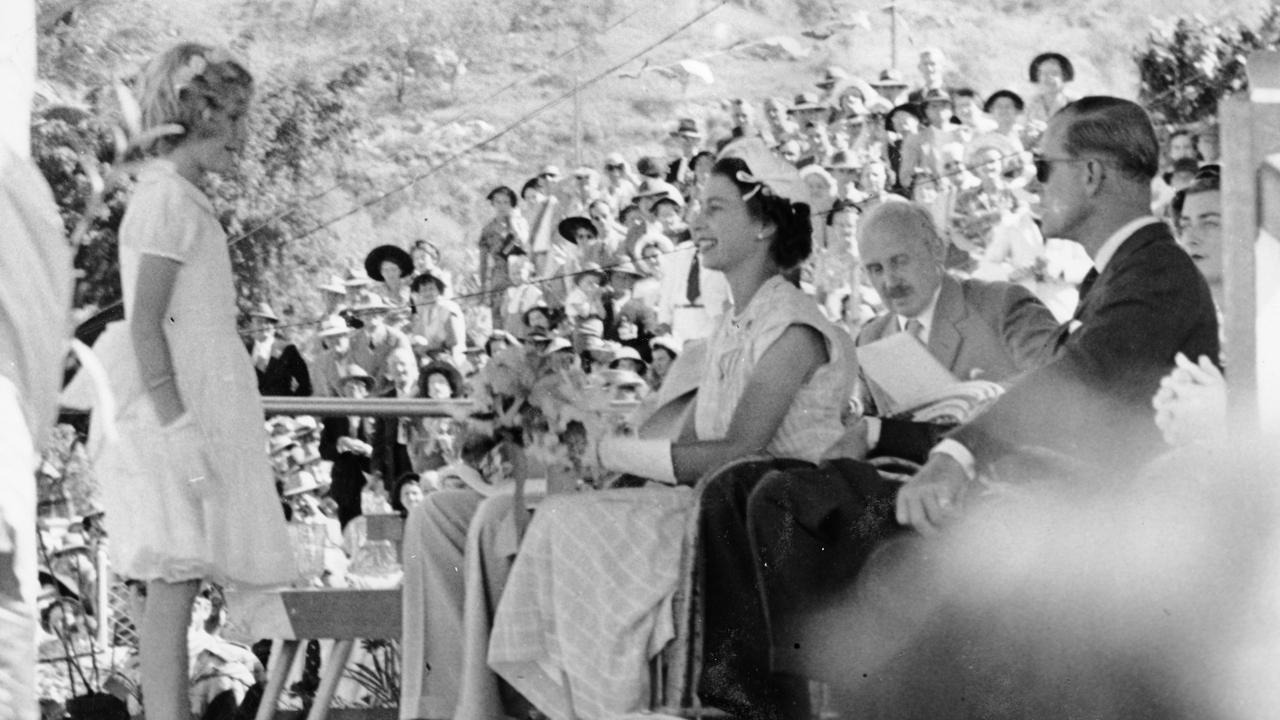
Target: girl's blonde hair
[[184, 83]]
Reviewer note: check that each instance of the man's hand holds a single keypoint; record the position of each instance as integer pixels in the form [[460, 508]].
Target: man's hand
[[932, 496], [852, 444]]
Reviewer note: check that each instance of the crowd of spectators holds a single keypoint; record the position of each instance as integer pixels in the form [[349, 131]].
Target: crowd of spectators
[[600, 263], [591, 282]]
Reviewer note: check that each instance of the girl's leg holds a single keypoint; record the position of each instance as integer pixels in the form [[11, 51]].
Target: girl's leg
[[164, 649]]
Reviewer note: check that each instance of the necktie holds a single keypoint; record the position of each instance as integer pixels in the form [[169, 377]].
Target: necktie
[[1087, 283], [916, 328], [693, 286]]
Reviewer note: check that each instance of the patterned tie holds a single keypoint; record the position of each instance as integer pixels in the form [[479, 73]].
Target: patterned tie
[[916, 328], [693, 286]]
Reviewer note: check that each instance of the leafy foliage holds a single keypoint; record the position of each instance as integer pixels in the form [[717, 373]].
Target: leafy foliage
[[301, 131], [1189, 64]]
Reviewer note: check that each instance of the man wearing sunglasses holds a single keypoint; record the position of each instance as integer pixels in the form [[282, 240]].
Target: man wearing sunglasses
[[1142, 303]]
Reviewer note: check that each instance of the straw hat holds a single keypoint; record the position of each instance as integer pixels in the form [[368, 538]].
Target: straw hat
[[334, 326], [334, 284]]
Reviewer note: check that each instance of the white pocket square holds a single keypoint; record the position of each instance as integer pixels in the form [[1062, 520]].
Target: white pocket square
[[1073, 326]]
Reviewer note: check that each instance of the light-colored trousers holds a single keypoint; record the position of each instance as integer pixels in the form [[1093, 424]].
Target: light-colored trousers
[[458, 551]]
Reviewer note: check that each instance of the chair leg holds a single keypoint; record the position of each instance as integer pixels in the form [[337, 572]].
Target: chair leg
[[329, 679], [282, 654]]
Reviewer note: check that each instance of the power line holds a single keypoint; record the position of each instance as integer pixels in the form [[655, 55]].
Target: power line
[[461, 115], [479, 296], [504, 131]]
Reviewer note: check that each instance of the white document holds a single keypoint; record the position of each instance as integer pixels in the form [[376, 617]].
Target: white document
[[903, 368]]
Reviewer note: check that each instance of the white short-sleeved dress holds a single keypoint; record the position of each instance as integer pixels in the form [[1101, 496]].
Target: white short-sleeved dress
[[196, 499]]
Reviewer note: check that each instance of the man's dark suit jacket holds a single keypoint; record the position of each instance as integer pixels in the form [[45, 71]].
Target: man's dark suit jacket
[[1092, 401], [348, 468]]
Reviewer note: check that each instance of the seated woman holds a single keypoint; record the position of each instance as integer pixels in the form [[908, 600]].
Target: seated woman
[[435, 437], [438, 330], [775, 381]]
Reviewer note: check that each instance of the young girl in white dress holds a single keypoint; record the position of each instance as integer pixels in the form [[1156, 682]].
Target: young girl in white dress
[[187, 490]]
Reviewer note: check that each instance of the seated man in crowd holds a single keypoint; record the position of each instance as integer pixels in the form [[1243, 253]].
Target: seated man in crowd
[[374, 343], [812, 530], [975, 329]]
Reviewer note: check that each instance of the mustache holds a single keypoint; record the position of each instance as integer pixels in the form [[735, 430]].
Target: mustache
[[897, 292]]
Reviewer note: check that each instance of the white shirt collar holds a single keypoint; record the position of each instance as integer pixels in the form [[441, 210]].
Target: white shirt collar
[[1118, 237], [925, 317]]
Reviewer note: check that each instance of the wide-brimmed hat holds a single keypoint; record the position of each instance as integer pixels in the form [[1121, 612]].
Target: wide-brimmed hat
[[597, 344], [622, 378], [280, 443], [354, 372], [334, 326], [557, 345], [302, 481], [687, 127], [935, 95], [355, 279], [264, 311], [655, 189], [668, 343], [550, 171], [588, 269], [807, 101], [909, 108], [394, 253], [831, 76], [371, 302], [450, 373], [626, 352], [583, 171], [569, 226], [990, 141], [890, 78], [502, 335], [1068, 70], [615, 159], [626, 267], [333, 284]]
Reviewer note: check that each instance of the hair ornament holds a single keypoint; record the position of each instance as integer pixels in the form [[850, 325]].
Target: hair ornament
[[766, 170]]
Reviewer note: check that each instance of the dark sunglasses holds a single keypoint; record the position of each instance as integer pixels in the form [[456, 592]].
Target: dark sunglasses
[[1044, 165], [613, 167]]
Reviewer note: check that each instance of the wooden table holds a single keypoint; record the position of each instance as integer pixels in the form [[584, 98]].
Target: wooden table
[[291, 617]]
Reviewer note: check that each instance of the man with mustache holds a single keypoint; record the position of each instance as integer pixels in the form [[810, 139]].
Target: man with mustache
[[975, 329]]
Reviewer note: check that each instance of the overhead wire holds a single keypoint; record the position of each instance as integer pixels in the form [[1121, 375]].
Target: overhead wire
[[461, 115], [483, 295], [507, 129]]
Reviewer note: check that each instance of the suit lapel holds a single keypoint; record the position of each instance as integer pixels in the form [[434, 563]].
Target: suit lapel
[[1094, 284], [945, 337]]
